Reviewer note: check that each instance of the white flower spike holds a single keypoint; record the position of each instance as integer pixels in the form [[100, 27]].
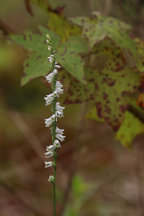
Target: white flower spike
[[57, 110]]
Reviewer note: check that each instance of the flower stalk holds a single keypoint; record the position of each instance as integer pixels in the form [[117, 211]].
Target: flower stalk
[[57, 112]]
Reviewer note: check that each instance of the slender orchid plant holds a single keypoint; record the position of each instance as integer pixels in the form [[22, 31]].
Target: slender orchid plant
[[57, 112]]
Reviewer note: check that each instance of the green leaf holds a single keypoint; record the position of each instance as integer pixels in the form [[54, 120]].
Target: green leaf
[[54, 38], [110, 20], [62, 27], [43, 4], [34, 66], [107, 86], [37, 64], [30, 41], [112, 89], [96, 30], [130, 128], [92, 114], [67, 56], [140, 60]]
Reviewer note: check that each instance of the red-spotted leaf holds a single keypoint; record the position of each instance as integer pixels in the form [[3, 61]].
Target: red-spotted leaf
[[108, 85], [67, 55], [97, 29]]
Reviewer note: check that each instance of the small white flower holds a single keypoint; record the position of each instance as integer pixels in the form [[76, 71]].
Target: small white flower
[[48, 37], [59, 114], [55, 94], [48, 164], [53, 117], [59, 88], [59, 107], [49, 154], [59, 131], [59, 110], [57, 66], [49, 48], [50, 76], [55, 71], [57, 144], [49, 98], [48, 122], [51, 179], [51, 58], [50, 148], [60, 137]]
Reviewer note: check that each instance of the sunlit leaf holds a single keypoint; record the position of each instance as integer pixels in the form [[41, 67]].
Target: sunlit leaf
[[62, 27], [37, 64], [97, 29], [129, 129], [67, 56], [92, 114], [107, 86]]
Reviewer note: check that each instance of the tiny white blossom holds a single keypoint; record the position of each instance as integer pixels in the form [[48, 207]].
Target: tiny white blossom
[[49, 48], [54, 117], [51, 179], [60, 137], [50, 148], [55, 71], [59, 107], [50, 59], [59, 131], [48, 164], [55, 94], [59, 114], [49, 98], [59, 88], [48, 122], [48, 37], [57, 144], [57, 66], [50, 76], [49, 154]]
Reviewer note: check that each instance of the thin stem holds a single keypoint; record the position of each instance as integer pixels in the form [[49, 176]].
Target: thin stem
[[54, 186]]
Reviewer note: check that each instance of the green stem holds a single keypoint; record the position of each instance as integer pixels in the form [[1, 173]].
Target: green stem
[[54, 187]]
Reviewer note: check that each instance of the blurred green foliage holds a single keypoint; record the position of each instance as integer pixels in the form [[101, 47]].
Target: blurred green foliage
[[80, 193]]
